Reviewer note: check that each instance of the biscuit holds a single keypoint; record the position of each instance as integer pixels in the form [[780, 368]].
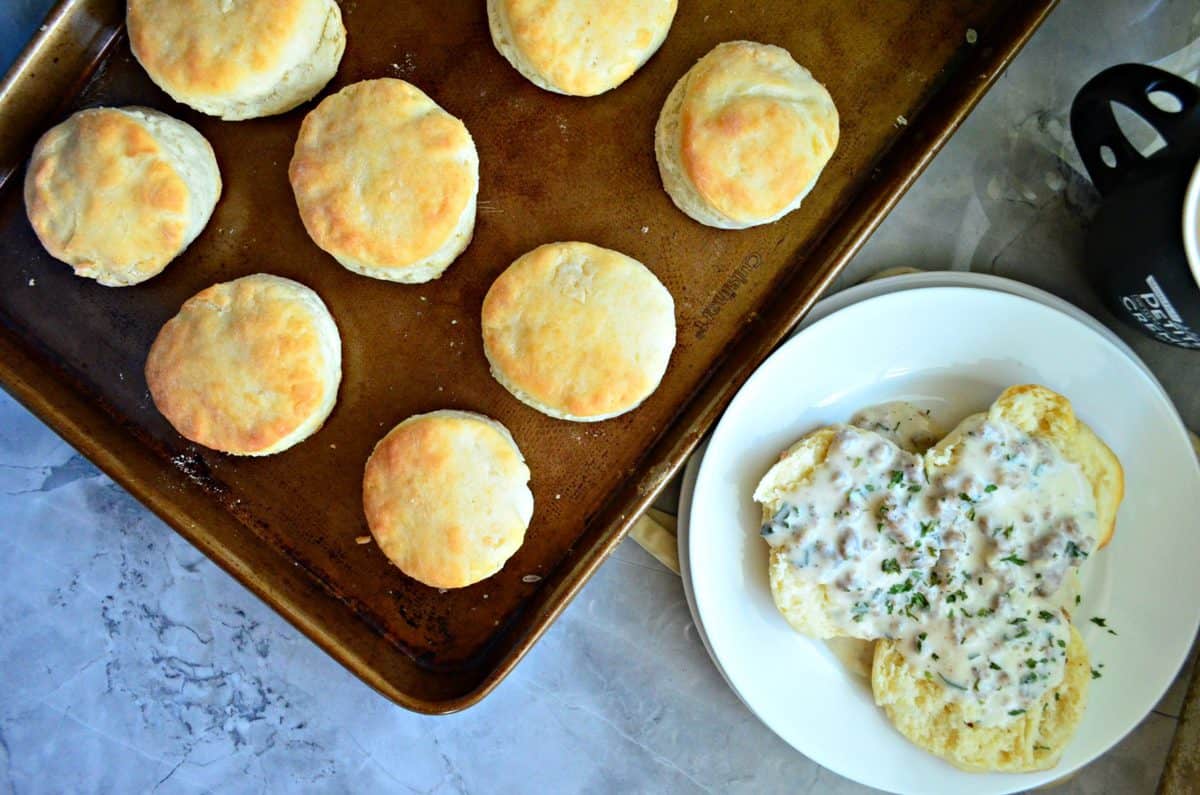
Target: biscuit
[[238, 59], [248, 367], [744, 135], [930, 717], [386, 181], [578, 332], [117, 193], [579, 47], [446, 497], [1049, 417]]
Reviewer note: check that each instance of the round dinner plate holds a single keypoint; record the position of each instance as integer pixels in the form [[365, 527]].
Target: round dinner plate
[[950, 349], [861, 292]]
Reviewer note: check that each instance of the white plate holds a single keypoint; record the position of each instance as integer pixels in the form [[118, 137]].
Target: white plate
[[861, 292], [953, 349]]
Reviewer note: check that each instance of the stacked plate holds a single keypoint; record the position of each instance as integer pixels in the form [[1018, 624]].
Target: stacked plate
[[951, 342]]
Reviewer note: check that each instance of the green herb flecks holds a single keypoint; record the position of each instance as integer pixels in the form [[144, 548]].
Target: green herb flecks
[[952, 684]]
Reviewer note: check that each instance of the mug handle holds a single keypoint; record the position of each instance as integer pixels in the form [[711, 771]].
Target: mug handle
[[1094, 126]]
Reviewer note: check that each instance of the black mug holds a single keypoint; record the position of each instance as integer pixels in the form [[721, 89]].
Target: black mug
[[1143, 247]]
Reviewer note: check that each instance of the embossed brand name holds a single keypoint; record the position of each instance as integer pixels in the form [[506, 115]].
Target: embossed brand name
[[727, 292]]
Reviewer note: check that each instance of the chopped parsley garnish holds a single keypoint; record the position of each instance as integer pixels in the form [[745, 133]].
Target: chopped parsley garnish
[[891, 566], [901, 587], [1100, 622], [1062, 644], [1078, 598], [1029, 678], [1030, 663], [1013, 559], [983, 612], [1074, 551], [1096, 674], [959, 595], [993, 666], [951, 684], [919, 600], [1016, 712], [1022, 632], [971, 515], [859, 610], [1045, 615], [963, 496], [921, 640], [1017, 621], [897, 477], [858, 461], [926, 528], [989, 488], [914, 487]]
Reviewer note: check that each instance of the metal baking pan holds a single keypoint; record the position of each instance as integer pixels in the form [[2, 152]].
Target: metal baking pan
[[903, 73]]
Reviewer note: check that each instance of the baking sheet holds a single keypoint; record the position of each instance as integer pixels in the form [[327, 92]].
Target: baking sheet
[[903, 74]]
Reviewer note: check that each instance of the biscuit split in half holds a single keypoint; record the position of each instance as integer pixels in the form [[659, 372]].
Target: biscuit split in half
[[578, 332], [579, 47], [248, 367], [238, 59], [447, 497], [117, 193], [386, 181], [744, 135]]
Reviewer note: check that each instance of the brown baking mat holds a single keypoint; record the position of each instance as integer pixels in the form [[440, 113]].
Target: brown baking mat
[[552, 168]]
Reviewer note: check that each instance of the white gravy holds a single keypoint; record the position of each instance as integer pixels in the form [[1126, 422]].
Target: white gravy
[[961, 572]]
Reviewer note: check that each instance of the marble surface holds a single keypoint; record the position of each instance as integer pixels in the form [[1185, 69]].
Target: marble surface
[[130, 663]]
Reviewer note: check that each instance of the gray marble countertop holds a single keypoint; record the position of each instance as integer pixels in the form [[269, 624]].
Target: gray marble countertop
[[131, 663]]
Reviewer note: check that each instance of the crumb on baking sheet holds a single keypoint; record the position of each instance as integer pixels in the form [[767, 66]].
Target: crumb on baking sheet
[[362, 540], [972, 36], [33, 282], [531, 578], [901, 121]]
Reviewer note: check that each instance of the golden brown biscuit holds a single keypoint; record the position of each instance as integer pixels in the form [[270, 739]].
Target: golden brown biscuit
[[238, 59], [386, 181], [579, 47], [1044, 414], [744, 135], [117, 193], [447, 498], [930, 717], [578, 332], [248, 367]]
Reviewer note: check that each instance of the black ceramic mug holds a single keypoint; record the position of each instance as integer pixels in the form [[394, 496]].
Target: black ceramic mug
[[1143, 247]]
